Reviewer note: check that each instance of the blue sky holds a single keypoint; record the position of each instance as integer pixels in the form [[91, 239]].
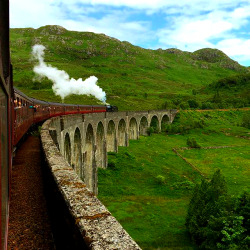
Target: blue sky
[[187, 25]]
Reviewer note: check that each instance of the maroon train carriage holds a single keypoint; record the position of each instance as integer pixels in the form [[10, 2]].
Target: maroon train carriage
[[23, 115], [41, 110], [71, 109], [56, 109], [84, 109], [6, 93], [99, 108]]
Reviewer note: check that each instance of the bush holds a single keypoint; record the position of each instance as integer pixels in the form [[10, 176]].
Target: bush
[[246, 120], [112, 165], [112, 153], [207, 105], [192, 143], [168, 105], [160, 179], [189, 185], [216, 220], [184, 105], [129, 155], [193, 104], [150, 130]]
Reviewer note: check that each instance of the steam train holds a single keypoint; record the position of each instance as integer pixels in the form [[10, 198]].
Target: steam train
[[29, 111], [17, 113]]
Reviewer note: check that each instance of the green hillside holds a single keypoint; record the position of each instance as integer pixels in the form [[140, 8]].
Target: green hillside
[[133, 77]]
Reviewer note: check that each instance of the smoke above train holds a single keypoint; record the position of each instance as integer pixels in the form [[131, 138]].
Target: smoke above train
[[63, 85]]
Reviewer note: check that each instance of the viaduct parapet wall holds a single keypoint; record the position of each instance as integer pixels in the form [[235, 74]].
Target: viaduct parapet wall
[[75, 147]]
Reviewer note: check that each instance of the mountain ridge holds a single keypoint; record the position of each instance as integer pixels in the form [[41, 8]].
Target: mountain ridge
[[130, 72]]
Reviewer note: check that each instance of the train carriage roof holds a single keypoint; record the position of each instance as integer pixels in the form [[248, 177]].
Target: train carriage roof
[[39, 101], [16, 91]]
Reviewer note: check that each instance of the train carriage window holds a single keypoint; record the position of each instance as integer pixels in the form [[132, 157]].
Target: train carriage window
[[4, 160]]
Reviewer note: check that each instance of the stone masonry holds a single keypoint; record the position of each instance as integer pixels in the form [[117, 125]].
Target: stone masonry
[[75, 146]]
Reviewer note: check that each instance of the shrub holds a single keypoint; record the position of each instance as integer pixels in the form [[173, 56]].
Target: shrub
[[184, 105], [129, 155], [168, 105], [112, 165], [246, 120], [112, 153], [192, 143], [160, 179], [183, 185], [150, 130], [207, 105], [193, 104]]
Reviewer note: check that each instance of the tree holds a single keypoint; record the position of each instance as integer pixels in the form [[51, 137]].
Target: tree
[[204, 204], [216, 220], [193, 104]]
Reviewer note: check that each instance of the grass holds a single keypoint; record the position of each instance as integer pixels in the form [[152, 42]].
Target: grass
[[133, 78], [146, 207], [234, 163], [148, 187]]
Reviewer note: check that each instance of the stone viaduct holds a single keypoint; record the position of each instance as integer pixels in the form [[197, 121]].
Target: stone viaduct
[[84, 140]]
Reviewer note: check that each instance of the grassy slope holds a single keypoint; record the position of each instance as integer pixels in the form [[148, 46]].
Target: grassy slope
[[127, 73], [153, 210]]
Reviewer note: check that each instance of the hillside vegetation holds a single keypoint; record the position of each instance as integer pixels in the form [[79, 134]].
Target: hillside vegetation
[[147, 186], [133, 78]]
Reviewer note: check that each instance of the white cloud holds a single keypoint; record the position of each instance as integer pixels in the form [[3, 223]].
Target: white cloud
[[33, 13], [239, 49], [189, 25], [205, 30], [157, 4]]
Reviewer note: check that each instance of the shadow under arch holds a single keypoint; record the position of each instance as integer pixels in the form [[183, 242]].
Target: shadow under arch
[[67, 148], [122, 133], [133, 128], [143, 126], [164, 122], [100, 147], [111, 137], [77, 157], [155, 123], [89, 170]]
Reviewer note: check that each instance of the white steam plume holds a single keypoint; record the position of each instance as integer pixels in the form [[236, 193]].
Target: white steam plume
[[63, 85]]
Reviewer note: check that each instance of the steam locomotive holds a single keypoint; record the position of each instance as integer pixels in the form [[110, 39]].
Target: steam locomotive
[[17, 113]]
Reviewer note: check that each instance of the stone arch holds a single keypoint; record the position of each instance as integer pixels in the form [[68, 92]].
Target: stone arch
[[164, 122], [111, 135], [67, 148], [133, 128], [122, 133], [100, 147], [155, 123], [77, 157], [89, 173], [143, 126]]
